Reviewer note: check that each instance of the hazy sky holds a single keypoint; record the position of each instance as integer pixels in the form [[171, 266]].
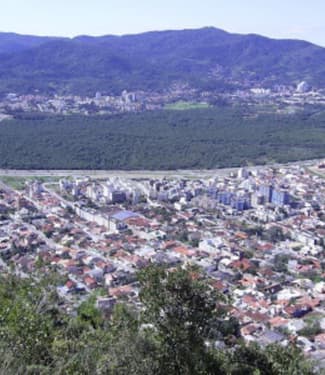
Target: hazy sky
[[303, 19]]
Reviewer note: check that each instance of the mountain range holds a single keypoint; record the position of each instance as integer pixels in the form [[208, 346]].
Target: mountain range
[[207, 59]]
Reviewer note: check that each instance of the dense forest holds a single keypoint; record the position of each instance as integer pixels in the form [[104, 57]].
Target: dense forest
[[206, 58], [174, 333], [190, 139]]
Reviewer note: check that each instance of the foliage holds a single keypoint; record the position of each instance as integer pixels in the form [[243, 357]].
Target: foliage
[[274, 360], [183, 313], [173, 333], [11, 42], [207, 59], [312, 329], [192, 139], [274, 234], [281, 263]]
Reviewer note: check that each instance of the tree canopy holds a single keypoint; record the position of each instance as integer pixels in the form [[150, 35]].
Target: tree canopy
[[173, 332], [190, 139]]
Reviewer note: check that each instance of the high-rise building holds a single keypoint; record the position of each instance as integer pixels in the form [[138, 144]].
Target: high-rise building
[[280, 197], [266, 192]]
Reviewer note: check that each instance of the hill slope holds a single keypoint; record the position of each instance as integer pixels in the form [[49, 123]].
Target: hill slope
[[207, 58], [11, 42]]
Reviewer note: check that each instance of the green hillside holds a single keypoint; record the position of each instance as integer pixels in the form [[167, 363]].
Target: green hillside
[[206, 58]]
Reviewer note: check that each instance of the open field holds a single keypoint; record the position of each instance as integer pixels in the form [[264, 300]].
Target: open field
[[316, 171], [18, 182], [182, 106]]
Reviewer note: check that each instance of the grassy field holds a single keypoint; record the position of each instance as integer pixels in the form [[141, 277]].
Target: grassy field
[[317, 172], [19, 183], [183, 106]]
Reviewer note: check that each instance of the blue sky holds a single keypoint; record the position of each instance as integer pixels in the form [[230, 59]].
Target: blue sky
[[300, 19]]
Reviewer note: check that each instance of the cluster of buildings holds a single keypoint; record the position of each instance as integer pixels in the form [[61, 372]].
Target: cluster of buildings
[[100, 103], [258, 235], [71, 104], [287, 99]]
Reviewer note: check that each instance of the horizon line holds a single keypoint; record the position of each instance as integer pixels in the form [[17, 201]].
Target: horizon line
[[154, 31]]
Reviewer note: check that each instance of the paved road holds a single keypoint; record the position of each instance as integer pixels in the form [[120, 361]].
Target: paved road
[[137, 174], [105, 174]]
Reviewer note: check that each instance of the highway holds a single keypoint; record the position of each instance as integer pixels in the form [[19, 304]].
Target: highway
[[141, 174]]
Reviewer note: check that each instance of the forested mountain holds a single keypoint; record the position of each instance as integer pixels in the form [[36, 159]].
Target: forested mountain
[[206, 58], [11, 42]]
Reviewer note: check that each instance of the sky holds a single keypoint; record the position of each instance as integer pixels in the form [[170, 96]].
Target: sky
[[298, 19]]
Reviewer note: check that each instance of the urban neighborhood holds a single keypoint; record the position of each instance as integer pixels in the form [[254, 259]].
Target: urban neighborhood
[[256, 234], [286, 99]]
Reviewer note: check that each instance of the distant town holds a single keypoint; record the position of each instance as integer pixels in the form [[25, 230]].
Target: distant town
[[257, 234], [279, 99]]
